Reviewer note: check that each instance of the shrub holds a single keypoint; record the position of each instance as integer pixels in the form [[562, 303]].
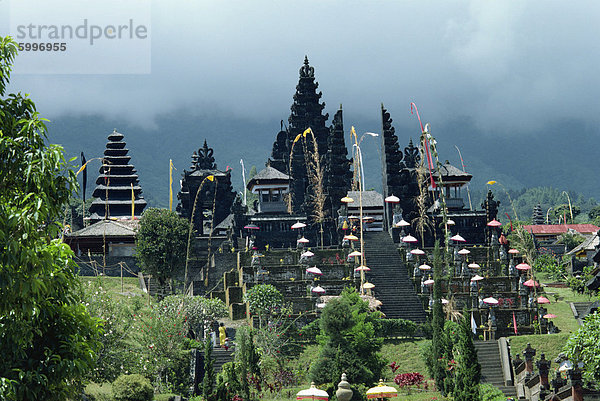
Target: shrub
[[491, 393], [396, 328], [409, 379], [132, 388]]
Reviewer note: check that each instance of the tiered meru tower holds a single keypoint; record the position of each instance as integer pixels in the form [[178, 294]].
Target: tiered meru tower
[[115, 184], [399, 174], [307, 112], [216, 195]]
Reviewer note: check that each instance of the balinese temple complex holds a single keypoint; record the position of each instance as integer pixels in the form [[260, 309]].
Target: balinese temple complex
[[302, 233]]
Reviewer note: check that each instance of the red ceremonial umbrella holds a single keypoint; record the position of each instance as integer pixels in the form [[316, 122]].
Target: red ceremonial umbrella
[[298, 225], [458, 238], [494, 223], [410, 239], [252, 227], [549, 316], [543, 300], [318, 290], [523, 266], [490, 301], [531, 283], [314, 270]]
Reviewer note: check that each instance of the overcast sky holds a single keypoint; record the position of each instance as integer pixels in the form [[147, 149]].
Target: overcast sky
[[509, 64]]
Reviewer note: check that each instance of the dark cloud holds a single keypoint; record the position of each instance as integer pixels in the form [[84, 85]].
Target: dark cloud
[[511, 64]]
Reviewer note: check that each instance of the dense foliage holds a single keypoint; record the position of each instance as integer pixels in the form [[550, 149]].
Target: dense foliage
[[132, 388], [583, 346], [161, 243], [264, 300], [47, 338], [349, 342]]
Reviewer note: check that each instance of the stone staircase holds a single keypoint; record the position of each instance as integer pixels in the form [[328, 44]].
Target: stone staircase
[[488, 355], [388, 273], [221, 357]]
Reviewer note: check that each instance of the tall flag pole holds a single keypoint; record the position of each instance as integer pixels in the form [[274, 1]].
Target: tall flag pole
[[84, 178], [426, 145], [132, 203], [83, 187], [170, 184], [243, 179]]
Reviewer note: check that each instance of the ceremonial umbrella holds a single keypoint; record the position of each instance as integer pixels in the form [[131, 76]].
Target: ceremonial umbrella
[[307, 254], [490, 301], [428, 282], [347, 199], [351, 237], [494, 223], [368, 285], [476, 277], [450, 222], [303, 240], [549, 316], [318, 290], [513, 251], [362, 268], [531, 283], [417, 252], [464, 252], [458, 238], [474, 266], [425, 267], [298, 225], [402, 223], [543, 300], [312, 393], [410, 239], [252, 227], [354, 253], [381, 391], [314, 270], [392, 199], [523, 266]]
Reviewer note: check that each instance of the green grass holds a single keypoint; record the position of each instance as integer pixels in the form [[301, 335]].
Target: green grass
[[549, 344], [406, 353]]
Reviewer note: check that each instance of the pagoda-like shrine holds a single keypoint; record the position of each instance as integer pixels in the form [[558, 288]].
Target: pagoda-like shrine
[[400, 179], [307, 112], [216, 195], [117, 184]]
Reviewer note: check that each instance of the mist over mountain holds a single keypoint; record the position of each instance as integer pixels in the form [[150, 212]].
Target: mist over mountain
[[561, 154]]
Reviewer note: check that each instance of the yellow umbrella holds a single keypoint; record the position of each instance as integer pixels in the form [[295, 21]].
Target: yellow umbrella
[[381, 391]]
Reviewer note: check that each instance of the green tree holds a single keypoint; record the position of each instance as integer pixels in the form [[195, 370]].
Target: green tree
[[161, 243], [563, 211], [263, 299], [47, 338], [441, 348], [583, 346], [209, 372], [198, 312], [468, 370], [349, 343]]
